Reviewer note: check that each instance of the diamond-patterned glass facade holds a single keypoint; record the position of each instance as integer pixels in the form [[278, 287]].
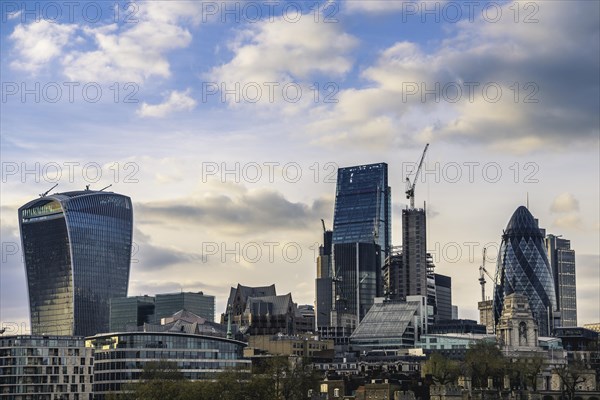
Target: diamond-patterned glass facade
[[77, 252], [523, 268]]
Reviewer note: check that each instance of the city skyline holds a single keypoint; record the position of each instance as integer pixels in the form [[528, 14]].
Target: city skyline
[[207, 176]]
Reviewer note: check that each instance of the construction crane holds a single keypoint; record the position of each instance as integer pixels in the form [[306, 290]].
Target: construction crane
[[482, 273], [410, 187], [48, 191]]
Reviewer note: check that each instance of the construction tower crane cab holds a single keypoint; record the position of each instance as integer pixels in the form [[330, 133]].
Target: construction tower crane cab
[[410, 187]]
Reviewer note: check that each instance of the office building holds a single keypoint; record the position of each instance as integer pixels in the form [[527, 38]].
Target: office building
[[127, 313], [119, 358], [300, 346], [361, 240], [523, 268], [45, 367], [197, 302], [391, 325], [414, 253], [362, 211], [357, 282], [324, 282], [77, 251], [562, 263], [486, 315], [392, 273], [443, 291]]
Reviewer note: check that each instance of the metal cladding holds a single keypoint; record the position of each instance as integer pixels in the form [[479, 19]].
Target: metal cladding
[[523, 268], [77, 253]]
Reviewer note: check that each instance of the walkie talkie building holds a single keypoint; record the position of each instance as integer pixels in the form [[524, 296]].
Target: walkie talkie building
[[523, 268], [77, 253]]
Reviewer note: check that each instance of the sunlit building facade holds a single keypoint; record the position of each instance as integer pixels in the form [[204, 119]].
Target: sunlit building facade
[[77, 252], [523, 268], [361, 240]]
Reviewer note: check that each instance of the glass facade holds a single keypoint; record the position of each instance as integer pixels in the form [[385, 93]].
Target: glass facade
[[443, 296], [363, 207], [361, 239], [198, 303], [77, 251], [359, 278], [523, 268], [128, 313], [119, 359], [562, 262]]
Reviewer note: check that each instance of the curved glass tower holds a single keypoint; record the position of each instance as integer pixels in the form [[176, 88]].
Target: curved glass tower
[[523, 268], [77, 252]]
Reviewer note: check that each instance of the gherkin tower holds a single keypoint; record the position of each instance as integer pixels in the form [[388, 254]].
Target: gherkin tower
[[523, 268]]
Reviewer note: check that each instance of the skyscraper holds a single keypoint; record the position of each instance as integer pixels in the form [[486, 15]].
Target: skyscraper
[[324, 282], [523, 268], [414, 253], [361, 240], [77, 252], [562, 263], [443, 295], [363, 207]]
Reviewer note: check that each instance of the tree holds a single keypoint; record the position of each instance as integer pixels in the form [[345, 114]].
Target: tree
[[525, 371], [441, 369], [570, 376], [484, 360], [159, 380]]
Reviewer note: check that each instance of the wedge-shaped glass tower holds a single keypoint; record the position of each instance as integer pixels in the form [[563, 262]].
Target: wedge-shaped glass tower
[[77, 253]]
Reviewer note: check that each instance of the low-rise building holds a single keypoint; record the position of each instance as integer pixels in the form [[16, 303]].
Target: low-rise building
[[45, 367], [301, 346]]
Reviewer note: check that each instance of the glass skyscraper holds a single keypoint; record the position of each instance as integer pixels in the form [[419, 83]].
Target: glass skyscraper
[[523, 268], [77, 252], [363, 207], [562, 262], [361, 240]]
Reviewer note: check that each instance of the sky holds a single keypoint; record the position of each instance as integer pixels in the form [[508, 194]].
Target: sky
[[226, 121]]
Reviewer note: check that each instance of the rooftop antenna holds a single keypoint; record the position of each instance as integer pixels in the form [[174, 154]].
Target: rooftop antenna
[[528, 200], [323, 223], [105, 187], [48, 191]]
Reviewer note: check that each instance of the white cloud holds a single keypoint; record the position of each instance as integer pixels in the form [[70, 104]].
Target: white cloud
[[177, 101], [282, 52], [38, 43], [571, 221], [385, 6], [532, 59], [132, 51], [564, 203]]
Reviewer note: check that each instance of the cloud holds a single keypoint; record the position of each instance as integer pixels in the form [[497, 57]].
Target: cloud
[[131, 51], [177, 101], [490, 84], [564, 203], [38, 43], [280, 52], [570, 221], [251, 211], [386, 6]]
